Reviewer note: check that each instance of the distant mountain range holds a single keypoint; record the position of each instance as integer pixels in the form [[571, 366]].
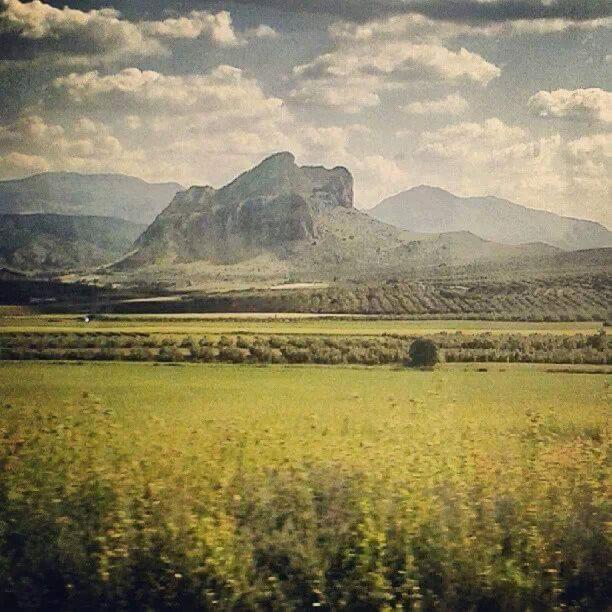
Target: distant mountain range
[[68, 193], [54, 243], [275, 222], [430, 209]]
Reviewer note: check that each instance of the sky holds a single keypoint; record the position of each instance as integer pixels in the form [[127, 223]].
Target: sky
[[510, 98]]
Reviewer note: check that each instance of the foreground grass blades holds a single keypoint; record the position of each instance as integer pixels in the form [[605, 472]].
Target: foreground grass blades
[[142, 486]]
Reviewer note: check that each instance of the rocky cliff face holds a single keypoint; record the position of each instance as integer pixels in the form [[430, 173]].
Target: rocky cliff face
[[267, 208]]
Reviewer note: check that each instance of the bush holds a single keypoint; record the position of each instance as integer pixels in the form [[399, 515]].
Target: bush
[[233, 354], [170, 354], [423, 353], [204, 353], [297, 355]]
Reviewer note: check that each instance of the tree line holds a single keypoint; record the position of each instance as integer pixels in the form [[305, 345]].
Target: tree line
[[304, 349]]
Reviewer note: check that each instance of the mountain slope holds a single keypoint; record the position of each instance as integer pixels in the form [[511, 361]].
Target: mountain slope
[[109, 195], [430, 209], [282, 220], [62, 242]]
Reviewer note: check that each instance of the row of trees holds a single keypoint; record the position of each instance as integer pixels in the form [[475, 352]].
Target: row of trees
[[370, 350], [534, 300]]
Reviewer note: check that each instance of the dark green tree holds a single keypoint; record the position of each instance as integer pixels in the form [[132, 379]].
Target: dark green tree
[[423, 353]]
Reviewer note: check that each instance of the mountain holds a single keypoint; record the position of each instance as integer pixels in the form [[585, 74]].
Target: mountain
[[69, 193], [280, 220], [430, 209], [47, 242], [267, 208]]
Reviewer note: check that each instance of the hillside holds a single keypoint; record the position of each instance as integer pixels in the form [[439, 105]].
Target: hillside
[[47, 242], [69, 193], [430, 209], [280, 220]]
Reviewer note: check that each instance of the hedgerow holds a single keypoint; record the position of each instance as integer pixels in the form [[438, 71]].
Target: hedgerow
[[302, 349]]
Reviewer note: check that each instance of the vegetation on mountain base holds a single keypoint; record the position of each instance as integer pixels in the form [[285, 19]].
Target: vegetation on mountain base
[[551, 299]]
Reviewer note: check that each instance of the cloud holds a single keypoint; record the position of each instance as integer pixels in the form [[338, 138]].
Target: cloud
[[476, 141], [225, 90], [262, 31], [350, 94], [415, 26], [71, 36], [367, 60], [453, 104], [400, 58], [541, 26], [462, 11], [570, 177], [20, 165], [592, 105], [217, 27], [33, 144]]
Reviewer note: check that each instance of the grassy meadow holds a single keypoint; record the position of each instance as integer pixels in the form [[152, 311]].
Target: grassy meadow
[[201, 486]]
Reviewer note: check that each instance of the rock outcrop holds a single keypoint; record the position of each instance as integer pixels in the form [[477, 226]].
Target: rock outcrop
[[267, 208]]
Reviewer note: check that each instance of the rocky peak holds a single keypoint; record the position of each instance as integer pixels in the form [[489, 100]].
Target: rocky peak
[[275, 204], [280, 175]]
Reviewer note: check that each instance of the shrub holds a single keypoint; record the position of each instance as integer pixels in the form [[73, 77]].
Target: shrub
[[261, 353], [170, 354], [204, 353], [233, 354], [187, 342], [297, 355], [423, 353]]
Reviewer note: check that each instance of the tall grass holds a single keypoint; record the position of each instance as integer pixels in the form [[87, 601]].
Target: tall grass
[[95, 516]]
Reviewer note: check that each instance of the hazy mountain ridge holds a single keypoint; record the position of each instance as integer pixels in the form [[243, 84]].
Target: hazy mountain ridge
[[49, 242], [274, 222], [70, 193], [431, 209]]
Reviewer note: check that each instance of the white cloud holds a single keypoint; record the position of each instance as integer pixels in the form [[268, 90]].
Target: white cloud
[[350, 94], [592, 104], [396, 59], [541, 26], [73, 37], [597, 144], [419, 27], [261, 31], [224, 90], [17, 165], [216, 27], [36, 144], [453, 104], [471, 140], [570, 177], [369, 59]]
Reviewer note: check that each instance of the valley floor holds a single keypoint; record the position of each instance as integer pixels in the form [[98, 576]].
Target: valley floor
[[280, 323]]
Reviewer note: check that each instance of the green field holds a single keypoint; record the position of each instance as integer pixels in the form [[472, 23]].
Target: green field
[[199, 486], [278, 324]]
